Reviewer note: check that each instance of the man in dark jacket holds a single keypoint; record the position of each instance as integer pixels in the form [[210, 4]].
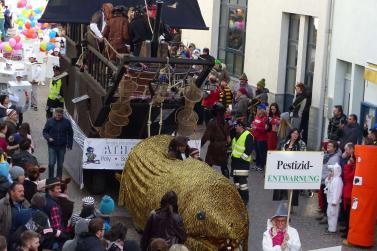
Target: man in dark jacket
[[138, 32], [333, 130], [38, 202], [91, 240], [38, 223], [352, 132], [59, 135]]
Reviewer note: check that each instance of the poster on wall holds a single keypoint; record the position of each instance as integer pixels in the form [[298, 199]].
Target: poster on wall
[[293, 170]]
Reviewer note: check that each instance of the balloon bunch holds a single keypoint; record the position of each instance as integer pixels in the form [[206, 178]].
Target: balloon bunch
[[49, 46], [13, 44], [27, 19]]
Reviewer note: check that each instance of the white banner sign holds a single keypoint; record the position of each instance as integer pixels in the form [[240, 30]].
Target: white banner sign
[[293, 170], [109, 154]]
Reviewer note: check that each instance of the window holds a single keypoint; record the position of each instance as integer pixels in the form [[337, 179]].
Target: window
[[311, 50], [290, 77], [232, 35]]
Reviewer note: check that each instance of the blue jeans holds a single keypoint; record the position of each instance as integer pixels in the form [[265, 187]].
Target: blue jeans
[[2, 21], [55, 155], [261, 153]]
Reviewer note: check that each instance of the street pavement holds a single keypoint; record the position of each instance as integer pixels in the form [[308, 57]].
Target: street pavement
[[260, 208]]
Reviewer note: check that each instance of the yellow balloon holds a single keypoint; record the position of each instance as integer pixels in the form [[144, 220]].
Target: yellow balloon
[[8, 48]]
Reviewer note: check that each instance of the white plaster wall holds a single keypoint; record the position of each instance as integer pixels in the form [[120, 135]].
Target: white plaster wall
[[354, 40], [205, 38], [266, 42]]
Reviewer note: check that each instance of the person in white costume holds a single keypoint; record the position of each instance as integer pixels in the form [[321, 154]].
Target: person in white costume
[[34, 77], [333, 190], [279, 236]]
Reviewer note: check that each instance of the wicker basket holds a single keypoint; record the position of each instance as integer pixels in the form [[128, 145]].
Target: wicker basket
[[187, 120], [121, 108], [112, 131], [192, 93], [118, 119]]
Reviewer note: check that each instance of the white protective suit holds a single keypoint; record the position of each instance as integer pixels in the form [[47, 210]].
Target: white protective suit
[[333, 190], [293, 243]]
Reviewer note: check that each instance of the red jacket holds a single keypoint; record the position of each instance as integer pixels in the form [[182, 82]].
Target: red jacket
[[3, 143], [259, 128], [348, 174], [212, 98]]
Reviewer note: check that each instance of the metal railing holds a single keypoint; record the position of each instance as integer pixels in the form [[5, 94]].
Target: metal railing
[[100, 68]]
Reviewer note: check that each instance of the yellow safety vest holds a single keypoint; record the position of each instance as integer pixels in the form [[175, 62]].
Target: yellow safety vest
[[55, 90], [238, 146]]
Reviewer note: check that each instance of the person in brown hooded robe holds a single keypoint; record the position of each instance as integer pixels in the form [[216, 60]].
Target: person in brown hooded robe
[[116, 32], [217, 134]]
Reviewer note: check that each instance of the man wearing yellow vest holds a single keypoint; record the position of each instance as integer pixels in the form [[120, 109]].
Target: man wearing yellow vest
[[55, 95], [242, 147]]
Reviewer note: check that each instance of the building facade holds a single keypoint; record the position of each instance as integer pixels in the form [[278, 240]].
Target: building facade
[[282, 41], [353, 61]]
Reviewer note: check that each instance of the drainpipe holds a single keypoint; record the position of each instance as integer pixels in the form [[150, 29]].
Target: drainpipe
[[327, 64]]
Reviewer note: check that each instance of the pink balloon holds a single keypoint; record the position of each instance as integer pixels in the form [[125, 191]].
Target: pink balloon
[[12, 42], [18, 38], [18, 46], [24, 32], [1, 46]]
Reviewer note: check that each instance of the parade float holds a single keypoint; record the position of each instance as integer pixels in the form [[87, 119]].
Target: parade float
[[118, 110]]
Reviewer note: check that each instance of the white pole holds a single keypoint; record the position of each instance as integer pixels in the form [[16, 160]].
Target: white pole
[[290, 193]]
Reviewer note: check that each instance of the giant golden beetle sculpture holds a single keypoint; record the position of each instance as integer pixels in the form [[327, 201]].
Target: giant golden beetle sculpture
[[149, 174]]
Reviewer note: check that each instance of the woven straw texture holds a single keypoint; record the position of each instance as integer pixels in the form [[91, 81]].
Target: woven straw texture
[[149, 174]]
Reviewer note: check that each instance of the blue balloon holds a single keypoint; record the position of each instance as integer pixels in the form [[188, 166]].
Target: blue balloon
[[31, 18], [50, 46], [37, 10], [52, 34], [32, 24], [20, 28]]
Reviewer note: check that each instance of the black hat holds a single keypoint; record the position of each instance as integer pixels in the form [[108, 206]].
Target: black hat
[[239, 123], [50, 182], [119, 9], [56, 68], [181, 140]]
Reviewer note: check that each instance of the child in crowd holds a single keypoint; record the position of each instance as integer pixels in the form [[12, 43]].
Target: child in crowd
[[5, 179], [333, 190], [106, 208]]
